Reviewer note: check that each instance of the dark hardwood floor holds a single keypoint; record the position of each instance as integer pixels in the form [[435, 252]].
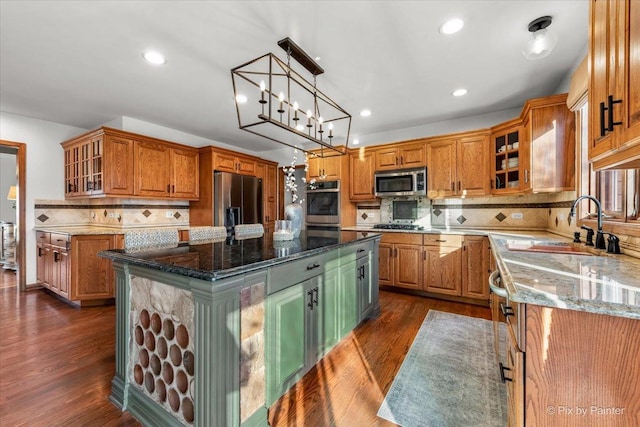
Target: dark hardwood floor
[[57, 362]]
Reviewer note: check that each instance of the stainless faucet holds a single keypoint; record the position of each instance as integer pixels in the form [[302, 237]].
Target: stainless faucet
[[600, 236]]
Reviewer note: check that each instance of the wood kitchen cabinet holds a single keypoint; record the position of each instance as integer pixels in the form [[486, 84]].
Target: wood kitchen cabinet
[[228, 161], [269, 174], [361, 172], [70, 266], [614, 87], [328, 168], [114, 163], [442, 263], [98, 164], [536, 152], [401, 156], [475, 267], [400, 260], [545, 362], [166, 171], [458, 165]]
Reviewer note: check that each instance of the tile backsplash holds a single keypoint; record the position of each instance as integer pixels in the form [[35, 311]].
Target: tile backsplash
[[112, 213]]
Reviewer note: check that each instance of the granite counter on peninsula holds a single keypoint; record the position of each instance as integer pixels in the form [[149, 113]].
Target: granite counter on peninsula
[[213, 333]]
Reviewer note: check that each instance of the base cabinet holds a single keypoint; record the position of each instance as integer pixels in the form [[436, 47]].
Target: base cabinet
[[400, 260], [306, 320], [70, 266], [556, 378]]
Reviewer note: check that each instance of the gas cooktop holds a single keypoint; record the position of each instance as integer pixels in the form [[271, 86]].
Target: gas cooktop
[[391, 226]]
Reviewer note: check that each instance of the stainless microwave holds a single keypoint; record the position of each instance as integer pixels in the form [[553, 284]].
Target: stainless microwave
[[402, 182]]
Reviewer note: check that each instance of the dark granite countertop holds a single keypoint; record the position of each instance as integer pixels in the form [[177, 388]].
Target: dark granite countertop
[[218, 260]]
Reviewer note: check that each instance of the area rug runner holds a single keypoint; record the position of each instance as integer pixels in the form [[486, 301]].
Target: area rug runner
[[449, 377]]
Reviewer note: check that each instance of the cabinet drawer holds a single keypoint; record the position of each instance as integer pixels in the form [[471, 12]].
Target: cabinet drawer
[[290, 273], [60, 240], [43, 237], [404, 238], [353, 252], [453, 240]]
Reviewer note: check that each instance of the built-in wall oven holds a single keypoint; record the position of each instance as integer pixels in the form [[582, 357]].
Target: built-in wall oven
[[323, 205]]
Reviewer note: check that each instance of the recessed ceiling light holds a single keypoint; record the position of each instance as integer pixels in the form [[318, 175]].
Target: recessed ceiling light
[[452, 26], [356, 142], [318, 58], [241, 99], [154, 57], [365, 113], [459, 92]]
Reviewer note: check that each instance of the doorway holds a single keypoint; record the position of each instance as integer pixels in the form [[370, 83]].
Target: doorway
[[20, 151]]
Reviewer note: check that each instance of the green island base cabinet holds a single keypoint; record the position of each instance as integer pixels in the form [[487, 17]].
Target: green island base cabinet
[[218, 341]]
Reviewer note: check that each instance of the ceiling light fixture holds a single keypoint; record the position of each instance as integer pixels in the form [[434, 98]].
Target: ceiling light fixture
[[154, 57], [285, 107], [356, 142], [452, 26], [542, 40], [459, 92], [365, 113]]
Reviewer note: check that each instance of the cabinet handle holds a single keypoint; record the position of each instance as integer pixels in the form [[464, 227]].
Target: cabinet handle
[[362, 272], [315, 292], [168, 188], [491, 183], [526, 176], [506, 310], [310, 303], [173, 188], [360, 250], [397, 161], [402, 160], [441, 240], [458, 185], [610, 108], [453, 186], [603, 127], [39, 252], [55, 256], [312, 267], [502, 377], [424, 255]]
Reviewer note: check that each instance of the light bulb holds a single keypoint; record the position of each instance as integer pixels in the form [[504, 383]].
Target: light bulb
[[281, 97], [309, 114], [320, 121], [295, 105], [262, 86]]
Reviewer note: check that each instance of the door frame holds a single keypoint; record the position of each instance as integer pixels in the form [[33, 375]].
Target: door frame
[[21, 175]]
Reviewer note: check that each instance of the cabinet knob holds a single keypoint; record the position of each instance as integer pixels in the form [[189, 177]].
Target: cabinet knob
[[313, 266]]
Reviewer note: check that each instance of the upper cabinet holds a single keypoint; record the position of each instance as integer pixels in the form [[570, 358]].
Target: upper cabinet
[[614, 87], [535, 152], [98, 164], [227, 161], [109, 162], [458, 165], [361, 170], [324, 168], [400, 156]]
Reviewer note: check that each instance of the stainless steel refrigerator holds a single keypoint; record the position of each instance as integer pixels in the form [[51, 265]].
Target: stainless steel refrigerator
[[237, 199]]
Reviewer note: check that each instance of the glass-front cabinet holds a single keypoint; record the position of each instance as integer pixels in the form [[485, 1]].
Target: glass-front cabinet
[[506, 165]]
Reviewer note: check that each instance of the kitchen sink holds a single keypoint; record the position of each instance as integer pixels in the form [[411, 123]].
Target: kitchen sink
[[550, 248]]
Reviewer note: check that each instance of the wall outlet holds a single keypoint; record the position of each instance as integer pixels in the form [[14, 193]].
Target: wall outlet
[[168, 214], [517, 215]]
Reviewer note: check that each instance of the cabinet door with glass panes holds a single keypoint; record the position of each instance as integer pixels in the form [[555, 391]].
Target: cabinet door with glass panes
[[506, 160]]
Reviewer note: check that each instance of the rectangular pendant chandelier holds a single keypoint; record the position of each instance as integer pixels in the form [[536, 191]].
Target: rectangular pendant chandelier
[[276, 102]]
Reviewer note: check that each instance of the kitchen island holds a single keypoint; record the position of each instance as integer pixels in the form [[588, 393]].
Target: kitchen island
[[212, 333]]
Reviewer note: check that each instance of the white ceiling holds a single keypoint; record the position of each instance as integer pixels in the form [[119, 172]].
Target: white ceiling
[[79, 63]]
